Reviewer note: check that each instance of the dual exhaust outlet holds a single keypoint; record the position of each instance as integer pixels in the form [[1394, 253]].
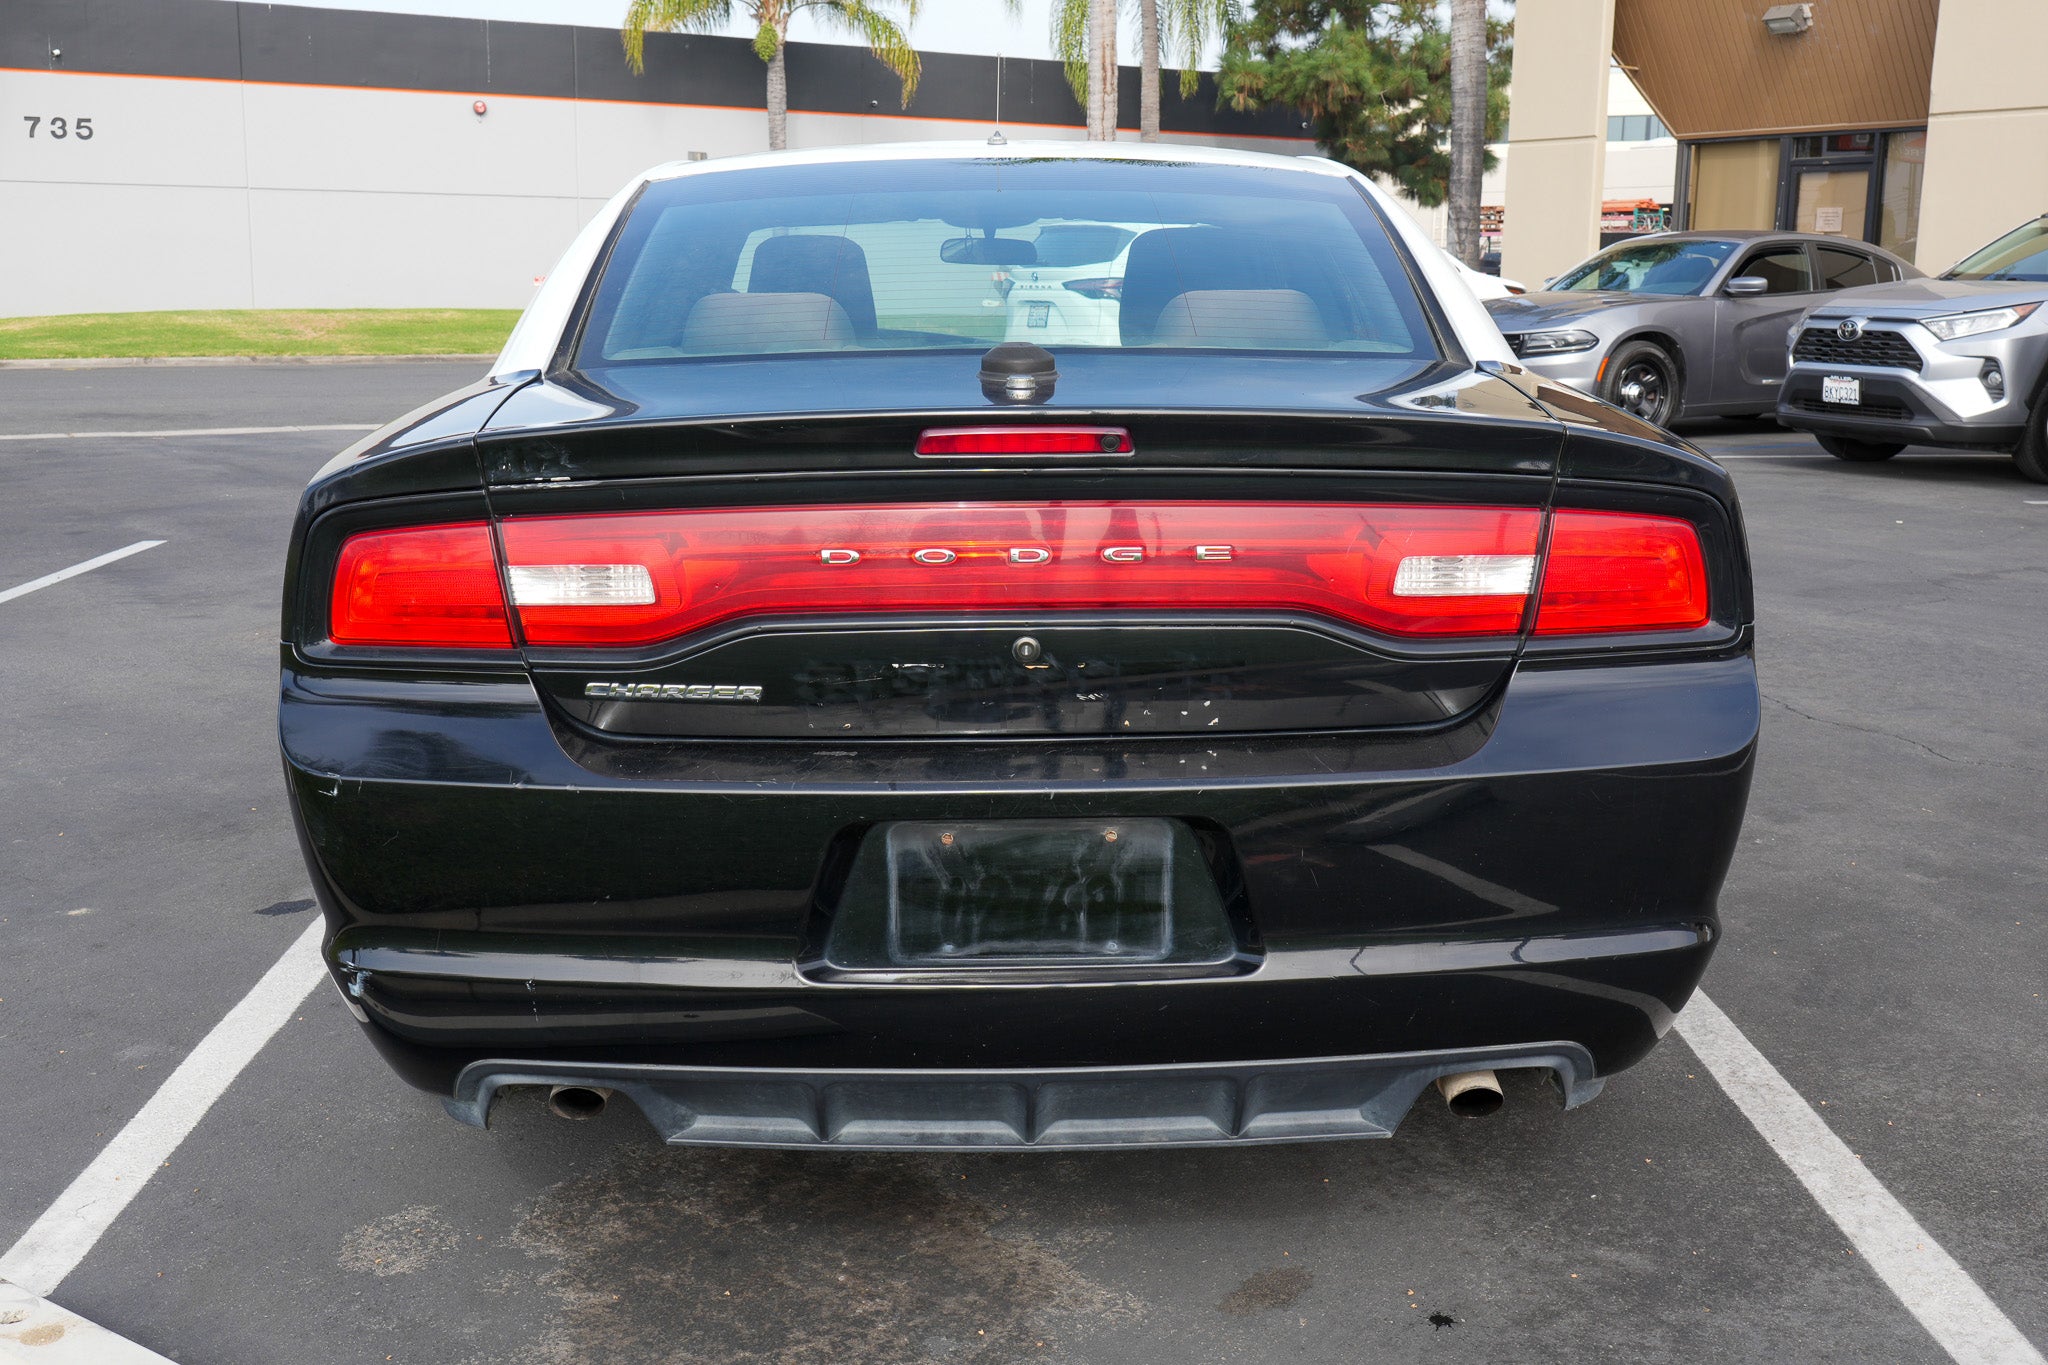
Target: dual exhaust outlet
[[578, 1102], [1469, 1094]]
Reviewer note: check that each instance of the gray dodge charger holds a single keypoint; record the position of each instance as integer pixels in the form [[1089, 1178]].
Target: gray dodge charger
[[1687, 324]]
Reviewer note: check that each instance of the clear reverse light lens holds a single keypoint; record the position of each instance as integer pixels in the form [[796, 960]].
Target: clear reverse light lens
[[1554, 343], [1955, 326], [1464, 575], [582, 585]]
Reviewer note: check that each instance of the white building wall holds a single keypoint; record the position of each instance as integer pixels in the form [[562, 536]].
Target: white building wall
[[226, 194]]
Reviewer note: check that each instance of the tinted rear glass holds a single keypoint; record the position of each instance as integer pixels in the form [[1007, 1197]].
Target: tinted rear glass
[[1848, 269], [1063, 245], [921, 255]]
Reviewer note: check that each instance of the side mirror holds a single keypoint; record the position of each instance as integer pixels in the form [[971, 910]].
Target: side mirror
[[997, 251], [1747, 284]]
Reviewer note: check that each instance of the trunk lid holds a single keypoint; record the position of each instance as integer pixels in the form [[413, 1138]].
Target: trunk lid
[[1029, 631]]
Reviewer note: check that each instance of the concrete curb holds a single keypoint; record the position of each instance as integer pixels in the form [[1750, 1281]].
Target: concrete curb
[[124, 362], [34, 1329]]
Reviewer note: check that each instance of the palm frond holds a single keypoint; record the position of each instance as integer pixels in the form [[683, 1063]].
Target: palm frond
[[666, 16], [1070, 44], [885, 38], [1185, 29]]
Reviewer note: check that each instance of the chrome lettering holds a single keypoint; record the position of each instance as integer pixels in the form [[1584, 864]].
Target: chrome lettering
[[840, 556], [1026, 554], [1124, 554], [622, 691], [934, 556]]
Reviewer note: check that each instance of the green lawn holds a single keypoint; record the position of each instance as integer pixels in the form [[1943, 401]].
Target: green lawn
[[283, 332]]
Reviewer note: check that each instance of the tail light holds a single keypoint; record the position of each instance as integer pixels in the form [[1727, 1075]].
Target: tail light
[[423, 587], [1109, 289], [1615, 571], [1345, 562], [640, 578]]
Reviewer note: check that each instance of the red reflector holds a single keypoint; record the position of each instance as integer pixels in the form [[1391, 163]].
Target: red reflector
[[1022, 440], [1339, 561], [1610, 571], [420, 587]]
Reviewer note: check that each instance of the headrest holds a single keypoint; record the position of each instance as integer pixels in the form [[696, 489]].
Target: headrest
[[1169, 261], [1282, 319], [809, 263], [765, 324]]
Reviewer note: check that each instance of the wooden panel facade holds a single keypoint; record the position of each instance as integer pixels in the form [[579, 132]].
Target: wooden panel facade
[[1711, 69]]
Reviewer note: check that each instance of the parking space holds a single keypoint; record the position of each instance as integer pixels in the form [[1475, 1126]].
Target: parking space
[[1885, 949]]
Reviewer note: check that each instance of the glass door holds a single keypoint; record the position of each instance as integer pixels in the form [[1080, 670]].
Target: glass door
[[1827, 184], [1831, 200]]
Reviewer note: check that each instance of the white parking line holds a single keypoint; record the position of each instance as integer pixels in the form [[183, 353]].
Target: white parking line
[[1958, 1314], [190, 431], [75, 570], [34, 1329], [56, 1242]]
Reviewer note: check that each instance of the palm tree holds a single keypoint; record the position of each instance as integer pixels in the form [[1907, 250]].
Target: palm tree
[[1185, 26], [1102, 70], [883, 35], [1468, 125]]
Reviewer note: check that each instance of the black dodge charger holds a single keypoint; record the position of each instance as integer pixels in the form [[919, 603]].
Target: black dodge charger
[[786, 695]]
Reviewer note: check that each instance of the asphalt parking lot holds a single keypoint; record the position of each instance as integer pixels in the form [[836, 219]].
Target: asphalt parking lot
[[1886, 948]]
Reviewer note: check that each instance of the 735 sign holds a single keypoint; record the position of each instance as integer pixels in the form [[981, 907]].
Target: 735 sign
[[59, 128]]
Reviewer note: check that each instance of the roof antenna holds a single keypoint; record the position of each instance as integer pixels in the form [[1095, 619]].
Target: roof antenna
[[996, 139]]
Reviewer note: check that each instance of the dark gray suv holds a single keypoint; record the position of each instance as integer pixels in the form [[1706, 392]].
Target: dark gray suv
[[1961, 360]]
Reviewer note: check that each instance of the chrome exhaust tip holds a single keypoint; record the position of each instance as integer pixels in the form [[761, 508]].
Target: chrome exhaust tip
[[577, 1102], [1471, 1094]]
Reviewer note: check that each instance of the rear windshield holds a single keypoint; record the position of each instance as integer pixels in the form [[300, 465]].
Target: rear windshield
[[929, 255]]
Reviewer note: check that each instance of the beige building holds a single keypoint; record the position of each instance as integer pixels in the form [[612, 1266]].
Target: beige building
[[1918, 124]]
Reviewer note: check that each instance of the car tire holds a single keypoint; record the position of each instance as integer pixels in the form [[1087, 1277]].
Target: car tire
[[1643, 380], [1859, 452], [2032, 454]]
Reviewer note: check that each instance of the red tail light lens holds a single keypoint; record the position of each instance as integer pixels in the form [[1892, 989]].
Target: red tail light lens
[[626, 579], [1616, 571], [640, 578], [1025, 441], [1109, 288], [420, 587]]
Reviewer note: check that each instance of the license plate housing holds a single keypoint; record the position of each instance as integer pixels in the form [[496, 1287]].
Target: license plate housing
[[1841, 388], [925, 894]]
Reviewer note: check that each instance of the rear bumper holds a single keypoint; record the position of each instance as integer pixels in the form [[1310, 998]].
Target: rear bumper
[[502, 895], [1200, 1105]]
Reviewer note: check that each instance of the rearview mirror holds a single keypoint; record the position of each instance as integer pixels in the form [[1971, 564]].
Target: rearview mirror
[[999, 251], [1747, 284]]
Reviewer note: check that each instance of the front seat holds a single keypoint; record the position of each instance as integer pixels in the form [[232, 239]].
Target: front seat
[[765, 324], [1165, 263], [809, 263]]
